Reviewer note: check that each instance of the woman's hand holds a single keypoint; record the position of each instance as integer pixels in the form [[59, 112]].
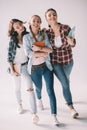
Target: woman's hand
[[36, 48], [14, 73], [40, 54], [70, 41]]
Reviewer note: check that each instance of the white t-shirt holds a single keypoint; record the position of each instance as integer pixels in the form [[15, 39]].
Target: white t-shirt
[[20, 56], [58, 41], [38, 61]]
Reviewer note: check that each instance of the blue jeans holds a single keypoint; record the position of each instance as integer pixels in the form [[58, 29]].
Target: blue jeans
[[36, 75], [62, 72]]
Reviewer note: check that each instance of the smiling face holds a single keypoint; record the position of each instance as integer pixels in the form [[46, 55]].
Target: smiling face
[[18, 27], [51, 17], [35, 23]]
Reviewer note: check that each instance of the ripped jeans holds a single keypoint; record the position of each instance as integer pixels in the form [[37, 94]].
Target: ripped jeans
[[29, 85]]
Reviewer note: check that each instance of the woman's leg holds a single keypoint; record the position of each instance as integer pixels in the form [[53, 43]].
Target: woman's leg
[[63, 72], [17, 83], [60, 74], [36, 77], [49, 80], [30, 90], [67, 69]]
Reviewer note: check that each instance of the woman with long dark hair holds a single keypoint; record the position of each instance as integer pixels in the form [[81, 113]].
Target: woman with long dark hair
[[18, 65], [62, 43]]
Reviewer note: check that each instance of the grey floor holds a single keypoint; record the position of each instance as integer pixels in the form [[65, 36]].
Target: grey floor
[[10, 120]]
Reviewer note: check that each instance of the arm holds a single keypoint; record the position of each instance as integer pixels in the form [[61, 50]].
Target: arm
[[11, 57], [32, 51], [42, 49], [71, 41], [70, 37], [13, 71], [40, 54], [47, 48], [27, 46]]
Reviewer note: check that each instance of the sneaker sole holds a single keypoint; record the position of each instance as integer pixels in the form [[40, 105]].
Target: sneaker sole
[[75, 115], [35, 120]]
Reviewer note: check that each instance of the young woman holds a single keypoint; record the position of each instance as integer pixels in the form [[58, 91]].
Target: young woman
[[18, 65], [39, 62], [61, 57]]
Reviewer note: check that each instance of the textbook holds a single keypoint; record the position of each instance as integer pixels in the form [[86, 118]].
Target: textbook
[[72, 32], [40, 44]]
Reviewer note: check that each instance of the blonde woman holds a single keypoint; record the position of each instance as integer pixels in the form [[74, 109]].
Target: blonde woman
[[39, 62]]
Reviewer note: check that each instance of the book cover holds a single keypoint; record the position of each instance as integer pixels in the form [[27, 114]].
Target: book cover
[[72, 32], [40, 44]]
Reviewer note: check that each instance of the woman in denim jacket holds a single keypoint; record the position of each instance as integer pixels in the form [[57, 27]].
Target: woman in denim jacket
[[17, 57], [39, 62]]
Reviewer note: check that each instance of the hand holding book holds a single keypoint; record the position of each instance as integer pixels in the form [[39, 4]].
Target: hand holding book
[[72, 33]]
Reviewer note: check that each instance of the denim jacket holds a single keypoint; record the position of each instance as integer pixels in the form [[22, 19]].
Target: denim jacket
[[27, 43]]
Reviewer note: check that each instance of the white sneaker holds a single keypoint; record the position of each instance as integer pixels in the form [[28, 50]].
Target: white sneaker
[[56, 122], [40, 105], [20, 109], [35, 119], [74, 113]]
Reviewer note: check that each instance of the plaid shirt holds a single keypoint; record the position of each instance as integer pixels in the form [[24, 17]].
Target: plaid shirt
[[11, 51], [63, 54]]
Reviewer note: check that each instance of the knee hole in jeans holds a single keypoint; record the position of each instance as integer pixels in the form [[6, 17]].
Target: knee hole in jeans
[[30, 89]]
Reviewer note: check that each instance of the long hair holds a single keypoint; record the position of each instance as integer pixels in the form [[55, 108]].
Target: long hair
[[12, 33]]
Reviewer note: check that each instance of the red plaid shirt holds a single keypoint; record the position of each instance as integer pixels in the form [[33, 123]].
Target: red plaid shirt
[[63, 54]]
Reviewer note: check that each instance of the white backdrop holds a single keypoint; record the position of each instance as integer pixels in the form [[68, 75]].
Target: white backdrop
[[71, 12]]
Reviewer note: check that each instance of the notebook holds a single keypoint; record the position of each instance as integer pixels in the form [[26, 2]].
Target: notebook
[[40, 44], [72, 32]]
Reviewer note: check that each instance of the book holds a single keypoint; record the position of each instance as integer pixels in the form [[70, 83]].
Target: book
[[39, 44], [72, 32]]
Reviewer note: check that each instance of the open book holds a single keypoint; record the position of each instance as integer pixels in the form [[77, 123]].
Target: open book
[[72, 32]]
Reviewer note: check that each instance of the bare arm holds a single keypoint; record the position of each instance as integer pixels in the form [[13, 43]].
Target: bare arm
[[13, 72], [42, 49], [46, 49], [38, 54]]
